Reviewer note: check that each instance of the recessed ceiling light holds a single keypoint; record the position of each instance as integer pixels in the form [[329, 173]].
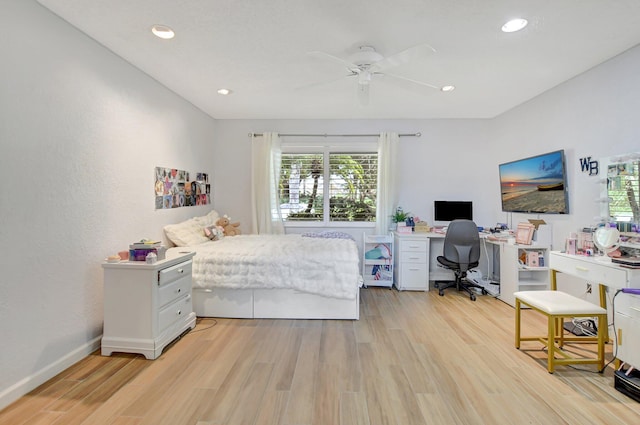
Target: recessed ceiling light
[[224, 92], [515, 25], [163, 32], [447, 88]]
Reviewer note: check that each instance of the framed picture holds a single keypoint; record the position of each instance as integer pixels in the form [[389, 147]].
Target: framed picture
[[524, 233]]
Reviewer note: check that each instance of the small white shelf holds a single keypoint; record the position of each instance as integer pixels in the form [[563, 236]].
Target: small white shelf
[[377, 271], [516, 275]]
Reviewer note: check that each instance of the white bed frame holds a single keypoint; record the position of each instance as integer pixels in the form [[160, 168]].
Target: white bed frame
[[272, 304]]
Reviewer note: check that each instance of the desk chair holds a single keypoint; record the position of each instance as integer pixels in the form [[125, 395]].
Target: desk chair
[[461, 253]]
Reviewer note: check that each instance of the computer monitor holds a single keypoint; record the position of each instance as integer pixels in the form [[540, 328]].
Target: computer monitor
[[452, 210]]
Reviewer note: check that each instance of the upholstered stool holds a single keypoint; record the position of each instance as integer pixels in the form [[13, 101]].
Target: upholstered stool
[[557, 305]]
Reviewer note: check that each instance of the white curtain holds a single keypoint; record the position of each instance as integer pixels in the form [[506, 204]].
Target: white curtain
[[387, 193], [266, 156]]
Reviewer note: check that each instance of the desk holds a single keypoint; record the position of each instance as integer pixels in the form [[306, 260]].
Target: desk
[[416, 264], [595, 269]]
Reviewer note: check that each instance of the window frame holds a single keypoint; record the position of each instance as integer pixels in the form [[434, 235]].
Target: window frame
[[325, 149]]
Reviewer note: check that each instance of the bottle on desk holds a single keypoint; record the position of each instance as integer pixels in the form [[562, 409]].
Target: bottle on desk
[[572, 242]]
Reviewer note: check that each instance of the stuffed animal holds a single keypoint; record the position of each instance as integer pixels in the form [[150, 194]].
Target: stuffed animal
[[230, 229]]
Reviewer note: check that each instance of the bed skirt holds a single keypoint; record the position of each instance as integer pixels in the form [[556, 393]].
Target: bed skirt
[[272, 304]]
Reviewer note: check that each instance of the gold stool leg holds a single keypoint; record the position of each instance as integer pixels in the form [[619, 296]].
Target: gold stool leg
[[551, 343], [603, 336], [517, 323]]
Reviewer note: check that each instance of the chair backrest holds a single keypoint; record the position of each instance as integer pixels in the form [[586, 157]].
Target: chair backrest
[[462, 243]]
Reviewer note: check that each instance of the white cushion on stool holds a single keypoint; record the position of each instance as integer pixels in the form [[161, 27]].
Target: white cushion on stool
[[558, 303]]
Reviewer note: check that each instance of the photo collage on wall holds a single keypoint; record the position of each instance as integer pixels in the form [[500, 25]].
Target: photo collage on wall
[[175, 188]]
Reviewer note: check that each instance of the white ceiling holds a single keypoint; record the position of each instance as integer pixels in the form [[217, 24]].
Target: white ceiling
[[258, 49]]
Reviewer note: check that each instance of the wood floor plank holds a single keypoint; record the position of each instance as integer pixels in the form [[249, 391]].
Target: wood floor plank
[[412, 358], [353, 409]]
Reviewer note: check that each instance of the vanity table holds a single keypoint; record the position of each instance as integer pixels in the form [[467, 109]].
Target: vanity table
[[600, 269]]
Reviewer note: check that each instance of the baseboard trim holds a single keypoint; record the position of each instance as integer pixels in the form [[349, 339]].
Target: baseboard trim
[[41, 376]]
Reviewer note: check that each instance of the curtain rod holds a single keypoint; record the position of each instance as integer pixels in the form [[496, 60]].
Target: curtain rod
[[335, 135]]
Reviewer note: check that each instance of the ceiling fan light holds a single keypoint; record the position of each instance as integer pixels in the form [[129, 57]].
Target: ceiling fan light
[[515, 25], [163, 31], [447, 88], [224, 92]]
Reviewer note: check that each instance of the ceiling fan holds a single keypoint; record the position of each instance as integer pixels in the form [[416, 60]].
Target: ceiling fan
[[367, 63]]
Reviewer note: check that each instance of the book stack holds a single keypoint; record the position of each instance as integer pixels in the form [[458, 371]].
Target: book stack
[[138, 251]]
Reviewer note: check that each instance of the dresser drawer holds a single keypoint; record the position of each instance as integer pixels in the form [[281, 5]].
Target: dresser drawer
[[413, 246], [174, 272], [413, 274], [628, 305], [413, 257], [590, 270], [179, 309], [174, 290]]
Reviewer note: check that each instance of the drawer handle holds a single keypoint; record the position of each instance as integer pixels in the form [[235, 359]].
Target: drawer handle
[[180, 271], [414, 269], [179, 290], [179, 312], [635, 308], [582, 269], [414, 258]]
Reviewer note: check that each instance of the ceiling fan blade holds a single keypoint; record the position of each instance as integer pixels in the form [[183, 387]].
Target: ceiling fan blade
[[363, 94], [405, 80], [405, 56], [323, 56], [323, 83]]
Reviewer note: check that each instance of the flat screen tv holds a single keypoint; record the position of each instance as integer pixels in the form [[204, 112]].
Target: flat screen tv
[[537, 184], [452, 210]]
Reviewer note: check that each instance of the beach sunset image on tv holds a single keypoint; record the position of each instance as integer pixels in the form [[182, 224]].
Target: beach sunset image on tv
[[535, 185]]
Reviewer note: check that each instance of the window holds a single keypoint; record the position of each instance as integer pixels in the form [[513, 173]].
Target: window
[[349, 178]]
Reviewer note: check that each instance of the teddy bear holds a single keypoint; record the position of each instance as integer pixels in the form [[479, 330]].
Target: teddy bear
[[230, 229]]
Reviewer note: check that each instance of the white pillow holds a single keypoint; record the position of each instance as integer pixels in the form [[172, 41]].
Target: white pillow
[[190, 232], [209, 219]]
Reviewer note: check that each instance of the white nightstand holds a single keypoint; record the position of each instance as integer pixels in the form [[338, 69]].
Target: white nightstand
[[146, 306]]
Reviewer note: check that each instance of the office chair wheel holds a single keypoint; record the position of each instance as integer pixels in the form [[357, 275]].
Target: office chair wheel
[[441, 292], [472, 297]]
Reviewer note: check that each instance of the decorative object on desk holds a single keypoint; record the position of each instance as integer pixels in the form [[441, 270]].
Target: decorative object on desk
[[422, 227], [400, 216], [607, 240], [410, 223], [524, 233], [113, 259]]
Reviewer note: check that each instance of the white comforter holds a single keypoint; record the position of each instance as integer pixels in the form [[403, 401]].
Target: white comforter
[[327, 267]]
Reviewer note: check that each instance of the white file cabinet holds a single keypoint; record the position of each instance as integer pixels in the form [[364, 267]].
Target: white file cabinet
[[411, 262], [146, 306], [627, 315]]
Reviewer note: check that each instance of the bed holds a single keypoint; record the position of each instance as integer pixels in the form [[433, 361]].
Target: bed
[[310, 276]]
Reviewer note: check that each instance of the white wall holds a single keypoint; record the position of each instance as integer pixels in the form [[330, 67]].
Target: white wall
[[81, 132], [593, 115]]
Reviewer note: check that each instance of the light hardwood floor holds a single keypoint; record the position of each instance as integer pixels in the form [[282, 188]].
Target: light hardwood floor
[[412, 358]]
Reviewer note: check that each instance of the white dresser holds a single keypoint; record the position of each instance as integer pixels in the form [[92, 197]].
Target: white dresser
[[411, 261], [146, 306]]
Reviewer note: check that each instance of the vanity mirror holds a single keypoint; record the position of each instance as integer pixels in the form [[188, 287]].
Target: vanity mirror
[[606, 239]]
